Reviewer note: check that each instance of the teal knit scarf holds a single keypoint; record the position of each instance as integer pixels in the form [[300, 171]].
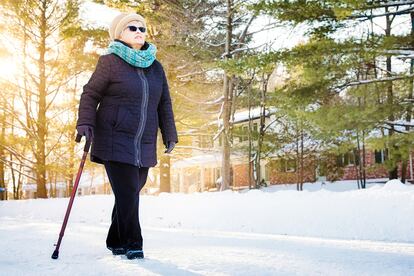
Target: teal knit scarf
[[137, 58]]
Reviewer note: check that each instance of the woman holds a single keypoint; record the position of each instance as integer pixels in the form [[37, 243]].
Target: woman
[[131, 88]]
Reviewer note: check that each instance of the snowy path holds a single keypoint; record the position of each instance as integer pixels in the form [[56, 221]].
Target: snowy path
[[27, 246]]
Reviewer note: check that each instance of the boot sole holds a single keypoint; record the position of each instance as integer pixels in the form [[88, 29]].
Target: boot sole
[[118, 251], [135, 254]]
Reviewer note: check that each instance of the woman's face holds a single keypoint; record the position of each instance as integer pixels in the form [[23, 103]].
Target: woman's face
[[135, 38]]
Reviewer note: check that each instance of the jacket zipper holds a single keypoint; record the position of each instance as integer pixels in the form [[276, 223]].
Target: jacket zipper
[[141, 126]]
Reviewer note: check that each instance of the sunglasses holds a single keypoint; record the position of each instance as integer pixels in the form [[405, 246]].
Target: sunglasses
[[135, 28]]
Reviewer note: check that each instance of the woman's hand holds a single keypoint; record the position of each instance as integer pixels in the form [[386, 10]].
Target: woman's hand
[[85, 130], [170, 147]]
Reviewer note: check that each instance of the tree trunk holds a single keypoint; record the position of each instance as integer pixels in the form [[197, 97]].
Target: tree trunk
[[165, 175], [3, 194], [227, 90], [225, 170], [70, 175], [15, 184], [41, 121], [364, 171], [393, 172], [71, 164], [249, 133], [297, 155], [301, 157], [359, 157], [408, 116], [261, 129]]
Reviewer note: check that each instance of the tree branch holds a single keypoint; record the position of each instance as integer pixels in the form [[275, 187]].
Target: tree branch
[[362, 82]]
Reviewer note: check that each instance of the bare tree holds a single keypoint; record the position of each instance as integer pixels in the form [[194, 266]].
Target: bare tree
[[38, 25]]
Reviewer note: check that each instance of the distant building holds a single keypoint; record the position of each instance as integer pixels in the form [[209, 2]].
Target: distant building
[[202, 170]]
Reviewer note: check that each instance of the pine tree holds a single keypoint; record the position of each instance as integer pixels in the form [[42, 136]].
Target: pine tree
[[331, 65]]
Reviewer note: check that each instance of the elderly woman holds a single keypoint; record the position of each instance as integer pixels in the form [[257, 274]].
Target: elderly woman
[[131, 88]]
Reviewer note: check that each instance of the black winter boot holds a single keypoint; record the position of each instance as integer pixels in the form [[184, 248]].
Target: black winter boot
[[135, 254], [118, 250]]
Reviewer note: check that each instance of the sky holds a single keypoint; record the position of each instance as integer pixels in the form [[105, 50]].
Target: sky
[[97, 15], [100, 16]]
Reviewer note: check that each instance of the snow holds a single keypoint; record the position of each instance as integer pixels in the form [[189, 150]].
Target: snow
[[325, 229], [243, 115], [395, 185], [212, 160]]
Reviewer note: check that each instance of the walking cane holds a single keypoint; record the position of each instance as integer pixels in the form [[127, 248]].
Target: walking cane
[[55, 254]]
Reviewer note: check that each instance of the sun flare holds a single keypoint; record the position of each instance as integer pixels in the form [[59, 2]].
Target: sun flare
[[8, 68]]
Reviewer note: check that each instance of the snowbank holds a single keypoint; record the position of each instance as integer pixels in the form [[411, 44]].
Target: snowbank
[[382, 212], [395, 185]]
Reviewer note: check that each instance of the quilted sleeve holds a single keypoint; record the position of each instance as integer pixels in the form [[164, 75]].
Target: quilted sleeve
[[93, 92], [166, 114]]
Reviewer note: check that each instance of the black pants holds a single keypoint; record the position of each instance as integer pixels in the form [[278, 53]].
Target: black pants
[[126, 182]]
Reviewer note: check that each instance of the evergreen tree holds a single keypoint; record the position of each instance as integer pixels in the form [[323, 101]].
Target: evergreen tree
[[360, 68]]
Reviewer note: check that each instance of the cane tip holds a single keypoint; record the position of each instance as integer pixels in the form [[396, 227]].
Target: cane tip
[[55, 255]]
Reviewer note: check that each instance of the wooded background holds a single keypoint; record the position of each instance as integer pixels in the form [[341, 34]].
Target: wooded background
[[347, 86]]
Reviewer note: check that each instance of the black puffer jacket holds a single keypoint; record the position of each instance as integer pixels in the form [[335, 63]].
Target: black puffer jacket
[[133, 103]]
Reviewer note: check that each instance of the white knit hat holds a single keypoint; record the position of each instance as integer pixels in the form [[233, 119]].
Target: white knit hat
[[120, 22]]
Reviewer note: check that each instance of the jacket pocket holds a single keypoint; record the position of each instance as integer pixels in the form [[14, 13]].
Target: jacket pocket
[[126, 121], [105, 117]]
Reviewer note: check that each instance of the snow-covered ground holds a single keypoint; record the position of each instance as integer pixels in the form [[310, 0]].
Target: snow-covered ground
[[329, 229]]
